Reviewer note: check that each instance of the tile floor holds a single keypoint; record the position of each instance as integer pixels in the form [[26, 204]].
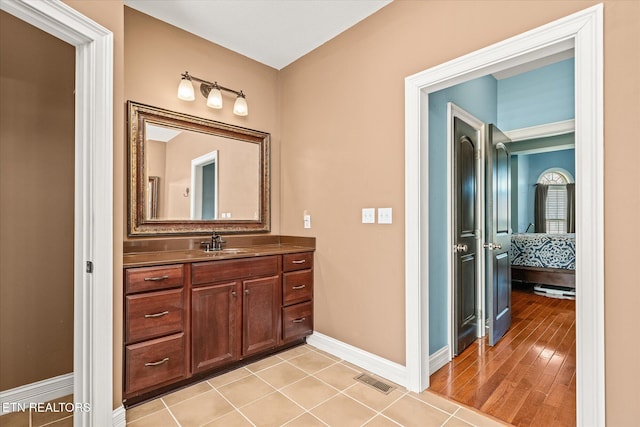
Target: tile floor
[[300, 387]]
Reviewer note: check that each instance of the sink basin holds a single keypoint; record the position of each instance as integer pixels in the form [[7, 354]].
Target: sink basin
[[226, 251], [233, 251]]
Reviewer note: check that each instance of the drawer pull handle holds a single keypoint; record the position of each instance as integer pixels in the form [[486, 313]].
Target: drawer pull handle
[[299, 261], [300, 320], [155, 279], [162, 313], [159, 362], [296, 288]]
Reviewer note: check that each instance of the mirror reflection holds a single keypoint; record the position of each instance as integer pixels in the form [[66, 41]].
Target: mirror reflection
[[190, 175], [196, 176]]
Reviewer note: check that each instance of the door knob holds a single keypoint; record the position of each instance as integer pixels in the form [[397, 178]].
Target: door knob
[[460, 247]]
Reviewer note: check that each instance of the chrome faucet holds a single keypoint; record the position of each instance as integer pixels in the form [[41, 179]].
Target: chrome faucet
[[215, 244]]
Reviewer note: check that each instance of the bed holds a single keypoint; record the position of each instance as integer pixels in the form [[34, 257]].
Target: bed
[[548, 259]]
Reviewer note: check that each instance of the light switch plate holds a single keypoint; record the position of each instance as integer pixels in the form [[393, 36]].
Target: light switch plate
[[368, 215], [385, 216], [306, 218]]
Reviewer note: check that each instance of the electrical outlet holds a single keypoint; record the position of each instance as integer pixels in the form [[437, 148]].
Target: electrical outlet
[[368, 215], [385, 216]]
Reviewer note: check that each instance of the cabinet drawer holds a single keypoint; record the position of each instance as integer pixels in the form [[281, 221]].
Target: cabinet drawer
[[297, 287], [152, 363], [297, 321], [300, 261], [142, 279], [233, 269], [154, 314]]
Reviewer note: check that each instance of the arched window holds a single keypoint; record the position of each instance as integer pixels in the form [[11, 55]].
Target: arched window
[[556, 203]]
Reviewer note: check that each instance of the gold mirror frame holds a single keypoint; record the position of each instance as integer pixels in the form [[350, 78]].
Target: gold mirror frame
[[138, 116]]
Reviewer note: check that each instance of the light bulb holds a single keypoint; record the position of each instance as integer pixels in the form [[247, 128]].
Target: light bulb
[[240, 108], [214, 100], [185, 90]]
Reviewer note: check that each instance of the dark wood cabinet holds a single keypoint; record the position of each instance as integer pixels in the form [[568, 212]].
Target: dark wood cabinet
[[154, 363], [214, 325], [297, 296], [252, 327], [297, 287], [154, 314], [154, 328], [233, 269], [297, 321], [144, 279], [260, 308], [189, 320]]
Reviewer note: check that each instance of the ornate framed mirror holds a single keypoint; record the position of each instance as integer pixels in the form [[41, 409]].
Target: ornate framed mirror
[[190, 175]]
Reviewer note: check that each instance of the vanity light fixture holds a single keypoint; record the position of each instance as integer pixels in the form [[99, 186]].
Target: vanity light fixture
[[213, 93]]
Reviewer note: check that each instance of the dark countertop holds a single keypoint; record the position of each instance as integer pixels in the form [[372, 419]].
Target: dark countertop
[[177, 256]]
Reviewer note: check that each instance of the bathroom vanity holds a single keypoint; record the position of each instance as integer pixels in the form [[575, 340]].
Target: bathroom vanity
[[189, 314]]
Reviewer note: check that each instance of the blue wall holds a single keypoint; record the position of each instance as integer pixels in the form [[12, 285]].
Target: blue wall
[[478, 97], [537, 97], [536, 164], [541, 96]]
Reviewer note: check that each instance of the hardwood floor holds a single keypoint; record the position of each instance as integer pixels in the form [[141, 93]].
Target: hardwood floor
[[529, 377]]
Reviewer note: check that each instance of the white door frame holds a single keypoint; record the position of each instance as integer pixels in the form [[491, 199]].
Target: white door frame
[[582, 31], [93, 230], [197, 186]]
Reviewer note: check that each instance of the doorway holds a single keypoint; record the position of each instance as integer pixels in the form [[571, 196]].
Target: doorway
[[93, 210], [582, 31], [480, 205], [204, 184]]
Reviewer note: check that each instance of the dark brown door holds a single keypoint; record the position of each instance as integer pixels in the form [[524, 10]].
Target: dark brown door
[[465, 299], [259, 314], [214, 327], [498, 236]]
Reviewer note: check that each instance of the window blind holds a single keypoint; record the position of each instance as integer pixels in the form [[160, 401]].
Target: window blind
[[556, 207]]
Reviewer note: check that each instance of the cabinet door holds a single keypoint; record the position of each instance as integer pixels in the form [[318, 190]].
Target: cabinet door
[[214, 322], [259, 314]]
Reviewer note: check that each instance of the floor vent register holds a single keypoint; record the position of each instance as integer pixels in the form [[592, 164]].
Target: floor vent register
[[372, 382]]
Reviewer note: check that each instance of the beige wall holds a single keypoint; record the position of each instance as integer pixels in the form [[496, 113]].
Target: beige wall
[[157, 53], [343, 149], [238, 190], [36, 204]]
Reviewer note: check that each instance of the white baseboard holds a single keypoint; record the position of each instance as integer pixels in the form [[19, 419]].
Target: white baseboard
[[438, 359], [368, 361], [119, 417], [38, 392]]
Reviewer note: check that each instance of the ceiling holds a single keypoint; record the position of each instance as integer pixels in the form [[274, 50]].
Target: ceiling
[[273, 32]]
